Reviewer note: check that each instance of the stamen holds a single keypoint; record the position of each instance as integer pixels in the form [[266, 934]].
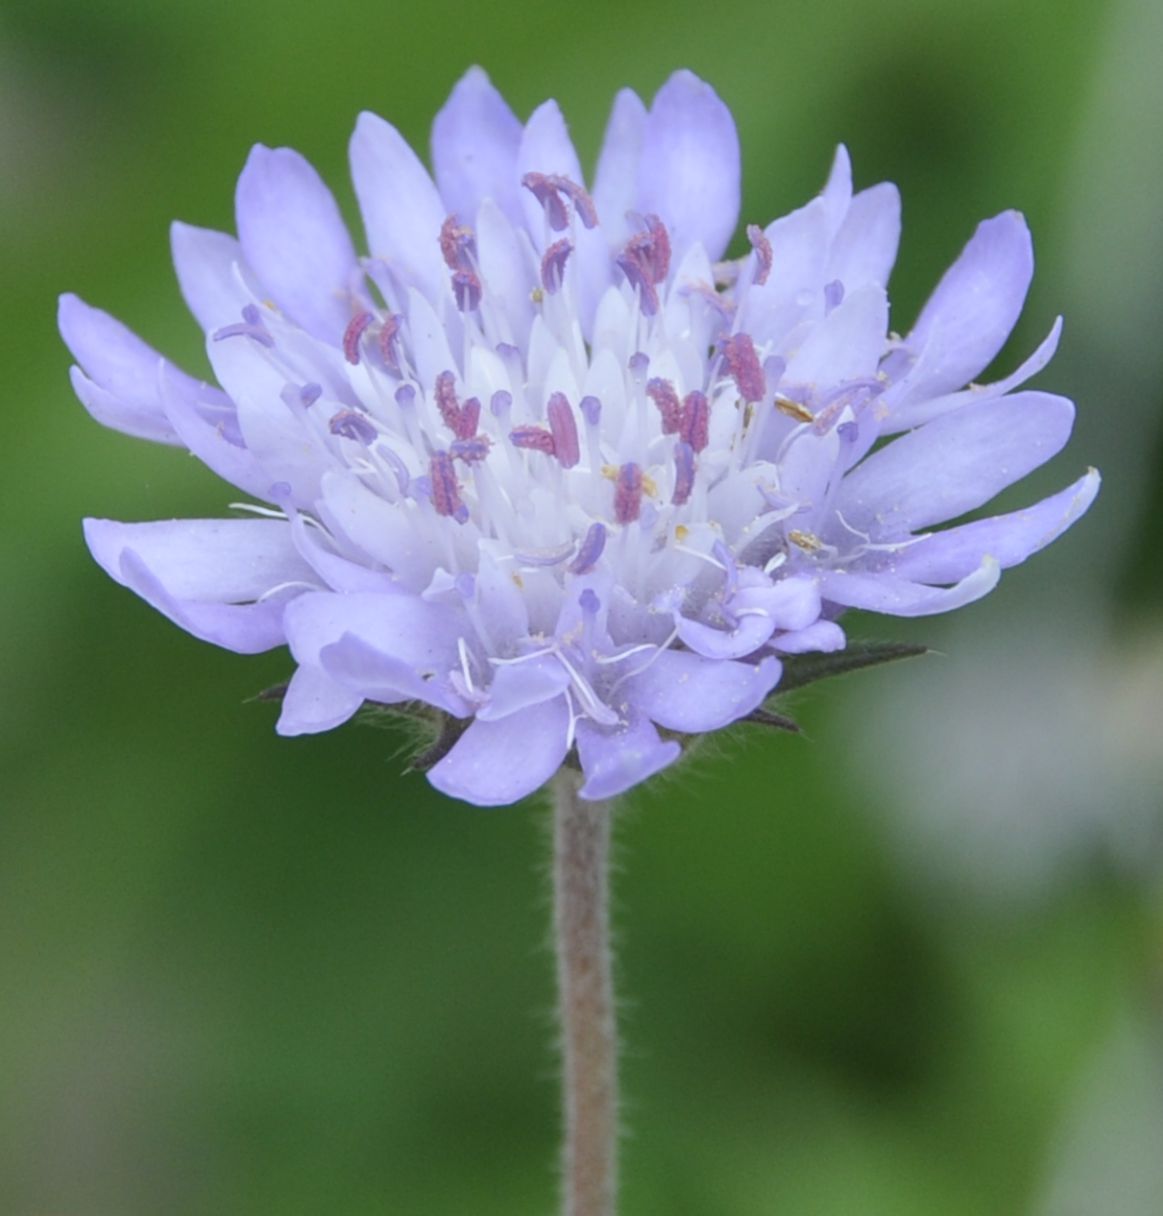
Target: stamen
[[743, 364], [663, 394], [695, 427], [793, 409], [553, 265], [544, 189], [563, 429], [447, 403], [684, 469], [763, 255], [628, 493], [445, 490], [251, 326], [353, 333], [386, 340], [457, 244], [589, 550], [639, 278], [466, 288], [582, 202], [469, 420], [805, 541], [548, 188], [351, 424], [533, 438], [472, 450]]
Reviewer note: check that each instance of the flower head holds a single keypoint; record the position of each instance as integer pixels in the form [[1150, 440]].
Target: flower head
[[544, 463]]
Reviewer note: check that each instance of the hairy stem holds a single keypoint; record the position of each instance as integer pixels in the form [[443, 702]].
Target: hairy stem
[[581, 834]]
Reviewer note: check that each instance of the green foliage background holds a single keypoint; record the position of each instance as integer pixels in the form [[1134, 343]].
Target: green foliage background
[[240, 974]]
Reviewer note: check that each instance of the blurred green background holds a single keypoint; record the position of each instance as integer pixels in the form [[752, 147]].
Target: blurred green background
[[912, 963]]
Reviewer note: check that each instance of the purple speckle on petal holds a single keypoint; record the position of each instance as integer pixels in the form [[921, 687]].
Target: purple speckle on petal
[[589, 603], [589, 550], [628, 493], [639, 365], [406, 396], [466, 585], [563, 428], [591, 409], [833, 295], [310, 393], [500, 402]]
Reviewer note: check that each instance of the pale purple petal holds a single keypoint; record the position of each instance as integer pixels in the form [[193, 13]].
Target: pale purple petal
[[516, 686], [954, 464], [689, 171], [119, 381], [200, 573], [864, 249], [295, 241], [230, 561], [727, 641], [899, 597], [421, 636], [474, 149], [616, 179], [968, 318], [207, 439], [684, 692], [386, 678], [315, 702], [498, 763], [140, 420], [904, 418], [847, 344], [210, 272], [837, 192], [402, 210], [615, 760], [823, 636], [946, 557]]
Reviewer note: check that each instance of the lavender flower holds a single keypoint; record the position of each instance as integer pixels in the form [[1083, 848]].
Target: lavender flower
[[543, 462]]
